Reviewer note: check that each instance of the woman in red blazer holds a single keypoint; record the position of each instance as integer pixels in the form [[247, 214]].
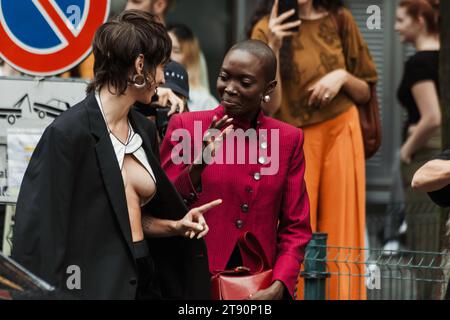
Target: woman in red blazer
[[257, 171]]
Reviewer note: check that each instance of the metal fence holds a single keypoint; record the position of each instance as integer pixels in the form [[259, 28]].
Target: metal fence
[[424, 220], [339, 273]]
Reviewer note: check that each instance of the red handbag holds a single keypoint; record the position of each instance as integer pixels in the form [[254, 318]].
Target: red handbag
[[239, 283]]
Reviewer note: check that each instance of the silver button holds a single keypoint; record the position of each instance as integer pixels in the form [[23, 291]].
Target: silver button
[[244, 208], [262, 160], [264, 145], [257, 176]]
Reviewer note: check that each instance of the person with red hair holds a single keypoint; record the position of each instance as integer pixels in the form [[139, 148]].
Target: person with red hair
[[417, 23]]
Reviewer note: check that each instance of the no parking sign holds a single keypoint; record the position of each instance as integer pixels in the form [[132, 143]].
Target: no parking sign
[[48, 37]]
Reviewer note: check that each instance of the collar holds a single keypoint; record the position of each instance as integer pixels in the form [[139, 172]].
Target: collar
[[242, 123], [132, 146]]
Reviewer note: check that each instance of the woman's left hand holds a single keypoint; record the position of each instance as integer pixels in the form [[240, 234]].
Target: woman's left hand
[[193, 223], [326, 89], [274, 292]]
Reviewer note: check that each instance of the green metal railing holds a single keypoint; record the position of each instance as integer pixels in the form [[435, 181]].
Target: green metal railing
[[341, 273]]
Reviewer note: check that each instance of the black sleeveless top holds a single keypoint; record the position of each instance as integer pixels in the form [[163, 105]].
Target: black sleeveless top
[[422, 66]]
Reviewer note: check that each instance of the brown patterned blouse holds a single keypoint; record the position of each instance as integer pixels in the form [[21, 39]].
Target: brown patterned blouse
[[318, 50]]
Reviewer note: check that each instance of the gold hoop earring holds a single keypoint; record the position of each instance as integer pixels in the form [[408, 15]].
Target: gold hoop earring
[[139, 81]]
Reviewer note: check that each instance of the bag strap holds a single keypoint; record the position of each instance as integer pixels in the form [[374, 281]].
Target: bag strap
[[249, 244]]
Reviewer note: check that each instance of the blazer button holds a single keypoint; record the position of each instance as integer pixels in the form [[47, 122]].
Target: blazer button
[[185, 201], [133, 281], [257, 176], [239, 224], [244, 208], [191, 196]]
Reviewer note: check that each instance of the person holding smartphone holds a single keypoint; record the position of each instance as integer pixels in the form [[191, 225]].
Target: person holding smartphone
[[325, 71]]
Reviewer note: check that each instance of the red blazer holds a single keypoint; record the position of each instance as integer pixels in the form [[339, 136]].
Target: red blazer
[[273, 207]]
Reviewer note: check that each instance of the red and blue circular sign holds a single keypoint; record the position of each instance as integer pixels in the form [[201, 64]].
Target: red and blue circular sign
[[49, 37]]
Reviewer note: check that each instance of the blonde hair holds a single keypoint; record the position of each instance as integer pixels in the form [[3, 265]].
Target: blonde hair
[[190, 47]]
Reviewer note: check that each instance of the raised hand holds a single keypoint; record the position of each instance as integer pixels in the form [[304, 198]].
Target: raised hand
[[279, 30], [211, 141]]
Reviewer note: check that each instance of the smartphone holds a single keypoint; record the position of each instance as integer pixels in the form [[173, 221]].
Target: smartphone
[[287, 5]]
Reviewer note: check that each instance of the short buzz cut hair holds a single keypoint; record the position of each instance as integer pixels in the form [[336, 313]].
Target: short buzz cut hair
[[262, 51], [118, 43]]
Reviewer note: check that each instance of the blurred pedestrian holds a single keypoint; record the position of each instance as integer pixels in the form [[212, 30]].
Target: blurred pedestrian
[[159, 8], [417, 23], [434, 178], [186, 50]]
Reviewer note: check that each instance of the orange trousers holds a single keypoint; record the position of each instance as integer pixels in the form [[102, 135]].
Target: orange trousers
[[335, 180]]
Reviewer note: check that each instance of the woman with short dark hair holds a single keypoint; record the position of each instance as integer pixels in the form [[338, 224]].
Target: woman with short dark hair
[[94, 195]]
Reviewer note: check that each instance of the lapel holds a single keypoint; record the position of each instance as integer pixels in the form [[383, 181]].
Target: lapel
[[109, 167], [146, 144]]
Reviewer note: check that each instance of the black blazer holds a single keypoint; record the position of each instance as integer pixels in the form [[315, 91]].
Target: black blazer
[[72, 210]]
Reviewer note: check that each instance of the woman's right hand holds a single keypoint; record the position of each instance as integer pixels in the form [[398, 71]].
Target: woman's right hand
[[279, 30]]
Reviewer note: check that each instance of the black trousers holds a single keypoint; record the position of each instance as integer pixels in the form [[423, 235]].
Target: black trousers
[[147, 284]]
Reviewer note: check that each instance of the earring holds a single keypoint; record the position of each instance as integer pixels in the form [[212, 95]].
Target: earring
[[139, 81], [266, 99]]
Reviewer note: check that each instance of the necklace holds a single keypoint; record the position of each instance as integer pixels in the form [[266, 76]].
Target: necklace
[[130, 133]]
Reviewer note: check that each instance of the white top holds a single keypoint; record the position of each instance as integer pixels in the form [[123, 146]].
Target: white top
[[201, 100], [133, 146]]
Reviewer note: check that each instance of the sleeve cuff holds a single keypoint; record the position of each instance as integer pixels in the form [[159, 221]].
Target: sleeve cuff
[[286, 270]]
